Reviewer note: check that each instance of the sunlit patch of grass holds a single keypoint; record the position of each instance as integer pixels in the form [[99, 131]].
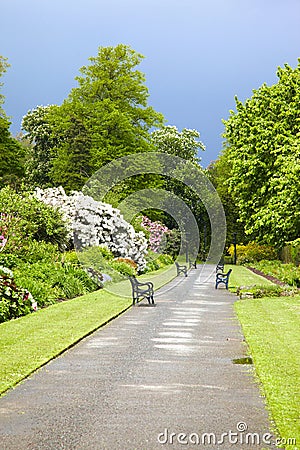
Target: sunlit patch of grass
[[271, 328]]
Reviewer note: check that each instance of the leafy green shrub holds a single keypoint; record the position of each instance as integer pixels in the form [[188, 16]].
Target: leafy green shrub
[[173, 243], [265, 291], [24, 218], [70, 257], [49, 281], [123, 268], [155, 261], [8, 260], [295, 251], [128, 261], [105, 252], [165, 259], [34, 251], [287, 273], [291, 252], [253, 252]]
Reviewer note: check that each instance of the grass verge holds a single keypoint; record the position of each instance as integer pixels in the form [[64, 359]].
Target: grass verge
[[31, 341], [241, 276], [271, 329]]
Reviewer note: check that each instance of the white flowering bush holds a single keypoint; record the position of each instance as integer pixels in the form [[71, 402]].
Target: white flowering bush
[[92, 223]]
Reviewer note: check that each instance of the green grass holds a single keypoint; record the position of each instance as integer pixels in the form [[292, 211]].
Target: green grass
[[271, 329], [31, 341], [241, 276]]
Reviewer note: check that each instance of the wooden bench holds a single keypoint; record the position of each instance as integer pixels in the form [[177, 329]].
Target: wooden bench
[[141, 290], [181, 269], [223, 278]]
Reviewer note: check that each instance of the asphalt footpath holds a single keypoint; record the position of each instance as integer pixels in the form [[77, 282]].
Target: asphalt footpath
[[158, 377]]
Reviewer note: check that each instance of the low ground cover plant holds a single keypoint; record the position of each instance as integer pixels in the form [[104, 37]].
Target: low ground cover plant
[[287, 273]]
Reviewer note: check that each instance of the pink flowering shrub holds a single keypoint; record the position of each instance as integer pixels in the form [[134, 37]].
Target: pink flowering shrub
[[157, 231], [14, 301]]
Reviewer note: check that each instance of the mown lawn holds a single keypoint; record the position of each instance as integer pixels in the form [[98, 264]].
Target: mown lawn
[[29, 342], [241, 276], [271, 328]]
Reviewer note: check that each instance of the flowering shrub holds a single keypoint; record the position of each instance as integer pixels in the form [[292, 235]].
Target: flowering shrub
[[157, 231], [24, 219], [14, 301], [253, 252], [93, 223]]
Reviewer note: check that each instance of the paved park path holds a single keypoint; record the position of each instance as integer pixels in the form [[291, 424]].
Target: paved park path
[[149, 373]]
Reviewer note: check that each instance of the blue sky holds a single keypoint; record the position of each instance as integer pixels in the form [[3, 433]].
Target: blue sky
[[198, 54]]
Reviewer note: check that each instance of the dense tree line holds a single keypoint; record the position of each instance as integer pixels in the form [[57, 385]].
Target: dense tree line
[[258, 172], [107, 116]]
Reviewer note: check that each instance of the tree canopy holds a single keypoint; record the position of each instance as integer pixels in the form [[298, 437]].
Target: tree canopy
[[105, 117], [11, 152], [262, 150]]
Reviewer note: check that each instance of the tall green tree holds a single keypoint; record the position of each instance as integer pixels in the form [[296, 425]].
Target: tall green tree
[[184, 144], [110, 103], [73, 167], [3, 68], [39, 133], [218, 172], [262, 149], [11, 152]]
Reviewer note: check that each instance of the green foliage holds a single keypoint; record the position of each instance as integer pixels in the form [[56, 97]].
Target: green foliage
[[156, 262], [105, 117], [39, 134], [8, 260], [128, 261], [137, 225], [218, 173], [257, 291], [263, 153], [123, 267], [3, 67], [11, 155], [287, 273], [184, 144], [72, 167], [48, 281], [70, 257], [291, 252], [172, 247], [25, 219], [14, 301], [104, 252], [253, 252], [34, 251]]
